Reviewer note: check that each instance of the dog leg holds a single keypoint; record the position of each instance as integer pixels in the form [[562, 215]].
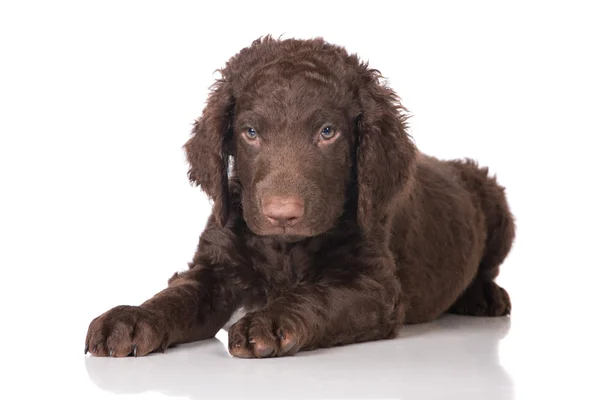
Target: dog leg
[[194, 307], [319, 315], [482, 298]]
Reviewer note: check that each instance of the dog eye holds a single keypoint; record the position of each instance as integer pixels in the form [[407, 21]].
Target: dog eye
[[251, 133], [327, 133]]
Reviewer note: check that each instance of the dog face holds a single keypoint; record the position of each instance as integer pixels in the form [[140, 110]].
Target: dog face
[[310, 130], [292, 138]]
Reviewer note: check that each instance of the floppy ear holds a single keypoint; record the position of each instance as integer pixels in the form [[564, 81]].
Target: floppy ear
[[208, 150], [385, 154]]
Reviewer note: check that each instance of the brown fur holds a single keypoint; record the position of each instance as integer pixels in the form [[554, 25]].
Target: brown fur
[[388, 236]]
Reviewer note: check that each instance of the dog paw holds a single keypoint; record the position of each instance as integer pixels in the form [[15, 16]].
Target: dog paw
[[263, 334], [124, 331], [483, 298]]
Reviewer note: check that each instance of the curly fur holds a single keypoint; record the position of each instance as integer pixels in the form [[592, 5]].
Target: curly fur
[[389, 235]]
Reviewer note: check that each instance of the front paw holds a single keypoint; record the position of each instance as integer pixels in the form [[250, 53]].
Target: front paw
[[126, 330], [265, 333]]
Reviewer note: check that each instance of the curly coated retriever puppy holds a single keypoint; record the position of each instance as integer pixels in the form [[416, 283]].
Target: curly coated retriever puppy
[[328, 226]]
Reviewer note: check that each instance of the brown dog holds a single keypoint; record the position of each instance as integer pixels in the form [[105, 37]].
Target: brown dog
[[327, 221]]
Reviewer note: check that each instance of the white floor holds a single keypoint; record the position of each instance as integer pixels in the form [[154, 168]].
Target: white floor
[[448, 359], [453, 358], [97, 98]]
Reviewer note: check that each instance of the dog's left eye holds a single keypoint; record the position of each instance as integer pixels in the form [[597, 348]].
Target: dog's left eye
[[327, 133]]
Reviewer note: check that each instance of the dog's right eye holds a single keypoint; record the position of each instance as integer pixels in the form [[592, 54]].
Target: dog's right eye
[[251, 133]]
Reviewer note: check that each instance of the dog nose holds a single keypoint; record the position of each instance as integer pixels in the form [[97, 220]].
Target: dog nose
[[283, 211]]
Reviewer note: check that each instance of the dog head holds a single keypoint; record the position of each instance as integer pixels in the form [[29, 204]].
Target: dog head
[[312, 134]]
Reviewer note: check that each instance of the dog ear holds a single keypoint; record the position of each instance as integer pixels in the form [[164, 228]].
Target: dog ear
[[208, 149], [385, 155]]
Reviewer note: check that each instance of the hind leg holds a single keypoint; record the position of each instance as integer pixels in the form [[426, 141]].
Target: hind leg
[[482, 298]]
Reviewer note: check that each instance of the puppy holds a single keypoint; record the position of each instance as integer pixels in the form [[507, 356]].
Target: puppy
[[327, 221]]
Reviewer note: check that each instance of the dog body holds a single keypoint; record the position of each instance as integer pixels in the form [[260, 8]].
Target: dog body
[[327, 221], [448, 236]]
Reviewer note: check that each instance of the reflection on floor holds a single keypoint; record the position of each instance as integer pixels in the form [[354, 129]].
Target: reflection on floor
[[453, 357]]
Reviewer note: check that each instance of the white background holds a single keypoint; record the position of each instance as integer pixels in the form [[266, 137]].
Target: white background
[[97, 98]]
